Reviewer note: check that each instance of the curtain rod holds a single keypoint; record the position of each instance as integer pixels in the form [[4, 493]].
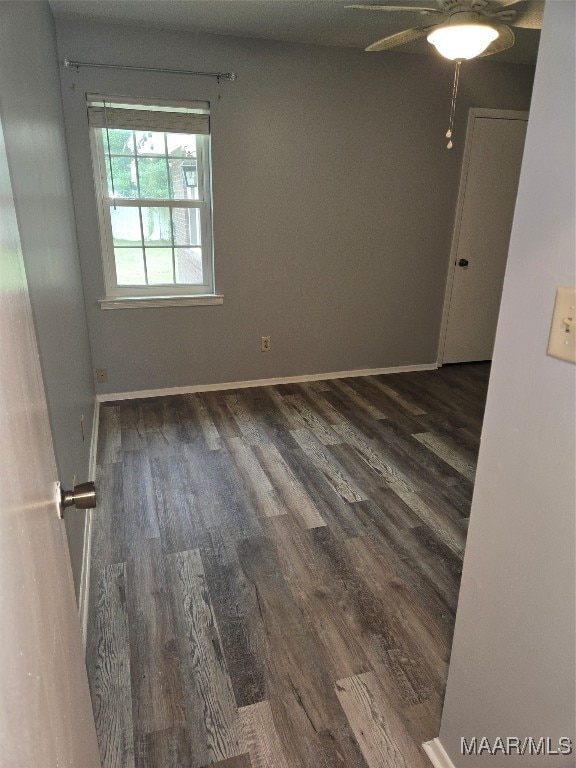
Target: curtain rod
[[219, 75]]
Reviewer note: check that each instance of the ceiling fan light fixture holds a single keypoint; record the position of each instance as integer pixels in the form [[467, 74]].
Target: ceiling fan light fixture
[[462, 41]]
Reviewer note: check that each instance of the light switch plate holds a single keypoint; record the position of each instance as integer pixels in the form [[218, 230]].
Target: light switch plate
[[562, 343]]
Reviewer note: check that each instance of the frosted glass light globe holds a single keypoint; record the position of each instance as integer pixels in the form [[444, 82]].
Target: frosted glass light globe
[[462, 41]]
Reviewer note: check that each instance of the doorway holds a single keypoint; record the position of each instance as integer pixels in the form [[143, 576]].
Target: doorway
[[484, 216]]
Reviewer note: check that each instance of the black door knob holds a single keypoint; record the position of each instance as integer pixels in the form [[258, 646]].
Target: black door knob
[[463, 263]]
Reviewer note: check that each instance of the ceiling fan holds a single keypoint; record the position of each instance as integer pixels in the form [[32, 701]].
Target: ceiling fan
[[462, 29]]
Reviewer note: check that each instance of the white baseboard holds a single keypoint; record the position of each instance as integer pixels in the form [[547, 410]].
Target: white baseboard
[[437, 754], [262, 382], [84, 591]]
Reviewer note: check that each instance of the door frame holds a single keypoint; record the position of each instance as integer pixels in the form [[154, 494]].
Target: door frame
[[473, 114]]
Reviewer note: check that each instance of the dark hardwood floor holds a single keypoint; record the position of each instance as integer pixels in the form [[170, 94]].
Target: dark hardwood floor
[[275, 571]]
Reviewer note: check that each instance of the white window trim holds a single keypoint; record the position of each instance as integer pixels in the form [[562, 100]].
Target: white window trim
[[139, 302], [122, 296]]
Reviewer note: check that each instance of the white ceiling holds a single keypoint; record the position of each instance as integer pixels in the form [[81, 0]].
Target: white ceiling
[[318, 22]]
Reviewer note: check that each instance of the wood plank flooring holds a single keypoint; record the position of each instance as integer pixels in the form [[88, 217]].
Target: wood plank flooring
[[275, 571]]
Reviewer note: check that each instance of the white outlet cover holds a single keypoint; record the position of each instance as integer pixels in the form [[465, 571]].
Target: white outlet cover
[[562, 342]]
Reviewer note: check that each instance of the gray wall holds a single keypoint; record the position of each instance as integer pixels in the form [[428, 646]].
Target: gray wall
[[512, 666], [31, 109], [334, 200]]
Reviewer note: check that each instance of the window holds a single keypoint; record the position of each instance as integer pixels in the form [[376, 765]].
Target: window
[[152, 172]]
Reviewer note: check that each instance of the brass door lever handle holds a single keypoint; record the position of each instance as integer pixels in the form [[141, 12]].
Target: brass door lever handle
[[82, 497]]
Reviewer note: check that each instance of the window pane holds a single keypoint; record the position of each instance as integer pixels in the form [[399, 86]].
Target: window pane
[[126, 226], [153, 177], [121, 141], [157, 246], [150, 143], [181, 144], [156, 226], [159, 265], [124, 176], [130, 266], [189, 265], [183, 178], [186, 226]]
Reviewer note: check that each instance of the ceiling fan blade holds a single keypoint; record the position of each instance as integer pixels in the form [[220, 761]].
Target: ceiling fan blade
[[400, 38], [529, 16], [504, 40], [504, 3], [405, 8]]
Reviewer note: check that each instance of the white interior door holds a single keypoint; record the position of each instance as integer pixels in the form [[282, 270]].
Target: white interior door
[[45, 714], [487, 197]]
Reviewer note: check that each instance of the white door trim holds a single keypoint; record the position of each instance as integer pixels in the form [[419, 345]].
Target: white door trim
[[84, 591], [473, 114]]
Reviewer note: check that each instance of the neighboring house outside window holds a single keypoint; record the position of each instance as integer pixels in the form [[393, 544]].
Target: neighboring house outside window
[[153, 183]]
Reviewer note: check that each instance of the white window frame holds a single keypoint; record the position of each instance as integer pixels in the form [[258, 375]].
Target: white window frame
[[154, 295]]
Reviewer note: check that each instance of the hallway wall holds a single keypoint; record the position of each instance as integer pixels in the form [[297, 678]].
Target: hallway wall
[[31, 108], [512, 665]]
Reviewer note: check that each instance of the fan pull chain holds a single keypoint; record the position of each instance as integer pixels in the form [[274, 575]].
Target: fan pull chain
[[453, 105]]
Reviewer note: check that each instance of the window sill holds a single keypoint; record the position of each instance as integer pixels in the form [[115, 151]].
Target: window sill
[[139, 302]]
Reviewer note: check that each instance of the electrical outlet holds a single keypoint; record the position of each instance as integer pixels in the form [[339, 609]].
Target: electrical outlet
[[265, 344], [101, 375]]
